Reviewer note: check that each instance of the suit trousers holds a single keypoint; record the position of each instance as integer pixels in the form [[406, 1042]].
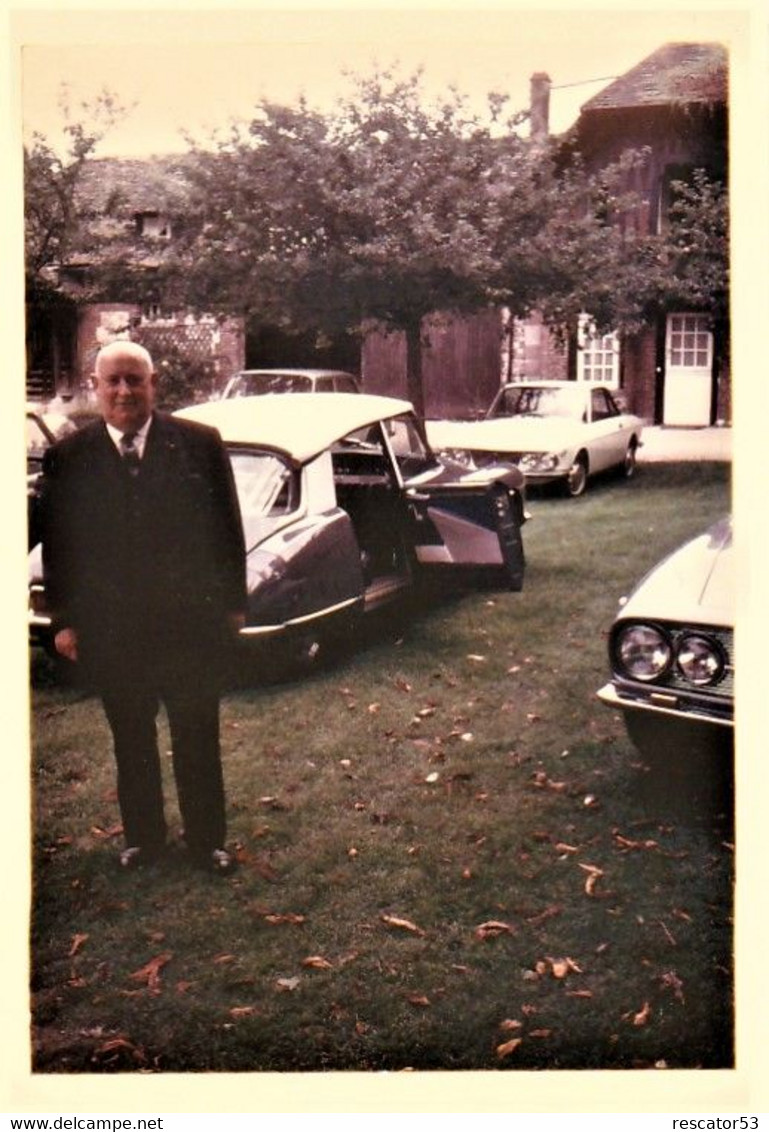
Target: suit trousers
[[191, 699]]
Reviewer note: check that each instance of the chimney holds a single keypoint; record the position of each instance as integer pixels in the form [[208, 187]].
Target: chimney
[[539, 104]]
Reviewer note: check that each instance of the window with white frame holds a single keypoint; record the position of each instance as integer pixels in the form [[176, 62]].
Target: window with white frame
[[597, 354]]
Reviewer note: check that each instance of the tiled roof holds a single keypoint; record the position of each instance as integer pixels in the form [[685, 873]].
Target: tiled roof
[[123, 186], [681, 73]]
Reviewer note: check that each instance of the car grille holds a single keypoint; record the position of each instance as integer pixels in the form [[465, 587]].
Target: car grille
[[487, 459]]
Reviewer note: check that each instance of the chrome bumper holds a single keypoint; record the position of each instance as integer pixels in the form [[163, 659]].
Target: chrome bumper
[[610, 696]]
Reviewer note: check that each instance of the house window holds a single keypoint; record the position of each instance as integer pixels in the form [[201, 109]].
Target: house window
[[689, 340], [152, 225], [597, 354]]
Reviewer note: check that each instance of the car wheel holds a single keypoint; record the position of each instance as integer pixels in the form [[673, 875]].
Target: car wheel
[[576, 480], [629, 463]]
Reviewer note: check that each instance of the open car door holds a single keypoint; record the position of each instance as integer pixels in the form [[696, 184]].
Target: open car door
[[463, 522]]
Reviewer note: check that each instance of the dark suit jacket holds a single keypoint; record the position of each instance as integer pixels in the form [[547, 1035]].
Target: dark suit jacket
[[145, 563]]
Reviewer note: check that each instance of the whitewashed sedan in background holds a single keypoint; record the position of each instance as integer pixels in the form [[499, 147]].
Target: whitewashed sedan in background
[[552, 430]]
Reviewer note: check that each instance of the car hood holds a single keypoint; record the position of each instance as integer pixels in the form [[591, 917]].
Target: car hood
[[696, 583], [505, 434]]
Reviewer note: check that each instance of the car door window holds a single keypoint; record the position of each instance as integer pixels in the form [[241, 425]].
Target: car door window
[[267, 489], [603, 408], [324, 385], [346, 385]]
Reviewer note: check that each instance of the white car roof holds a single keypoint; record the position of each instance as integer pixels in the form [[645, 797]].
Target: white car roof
[[302, 425]]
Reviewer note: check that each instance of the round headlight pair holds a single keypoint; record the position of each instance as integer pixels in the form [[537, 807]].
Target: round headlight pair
[[645, 653]]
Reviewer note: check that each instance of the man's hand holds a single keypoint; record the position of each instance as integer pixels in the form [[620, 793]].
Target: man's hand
[[65, 643]]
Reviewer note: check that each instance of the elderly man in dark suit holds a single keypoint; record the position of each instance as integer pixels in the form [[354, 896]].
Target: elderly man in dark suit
[[144, 564]]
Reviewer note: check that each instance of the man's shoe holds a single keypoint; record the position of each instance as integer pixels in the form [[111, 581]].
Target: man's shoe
[[218, 861], [223, 862], [134, 857]]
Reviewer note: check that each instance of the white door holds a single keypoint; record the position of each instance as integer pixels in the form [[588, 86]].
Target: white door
[[688, 370]]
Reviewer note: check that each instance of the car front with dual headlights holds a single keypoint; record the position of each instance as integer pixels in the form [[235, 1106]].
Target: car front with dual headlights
[[671, 653]]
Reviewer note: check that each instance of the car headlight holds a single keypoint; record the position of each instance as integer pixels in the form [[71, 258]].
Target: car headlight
[[459, 456], [700, 660], [538, 462], [643, 651]]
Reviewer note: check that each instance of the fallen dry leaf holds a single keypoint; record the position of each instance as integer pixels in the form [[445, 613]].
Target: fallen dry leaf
[[560, 968], [579, 994], [77, 942], [540, 1033], [493, 928], [288, 984], [318, 962], [643, 1015], [150, 972], [627, 843], [509, 1025], [545, 914], [284, 918], [113, 831], [225, 957], [594, 874], [419, 1000], [403, 925], [671, 981], [507, 1048], [242, 1011], [115, 1044]]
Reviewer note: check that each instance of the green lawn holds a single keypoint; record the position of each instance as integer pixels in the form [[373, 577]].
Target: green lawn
[[449, 859]]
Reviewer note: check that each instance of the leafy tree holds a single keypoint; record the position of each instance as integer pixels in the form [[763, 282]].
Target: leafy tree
[[386, 210], [390, 208], [55, 223]]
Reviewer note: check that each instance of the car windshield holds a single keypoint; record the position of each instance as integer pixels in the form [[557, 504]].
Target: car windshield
[[540, 401], [268, 490], [408, 447], [252, 384]]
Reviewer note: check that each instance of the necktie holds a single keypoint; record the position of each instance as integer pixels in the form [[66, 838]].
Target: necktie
[[131, 457]]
